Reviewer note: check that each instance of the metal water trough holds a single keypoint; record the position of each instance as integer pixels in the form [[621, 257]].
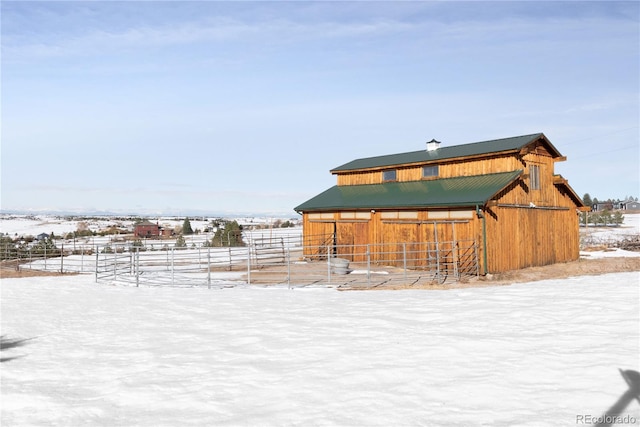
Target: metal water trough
[[340, 266]]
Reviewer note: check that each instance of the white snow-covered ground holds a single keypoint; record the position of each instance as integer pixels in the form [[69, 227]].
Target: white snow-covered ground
[[543, 353], [532, 354]]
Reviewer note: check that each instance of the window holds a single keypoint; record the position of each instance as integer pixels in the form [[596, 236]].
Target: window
[[389, 175], [429, 171], [534, 177]]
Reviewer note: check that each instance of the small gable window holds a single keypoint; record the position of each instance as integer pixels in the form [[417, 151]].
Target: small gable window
[[389, 175], [534, 177], [430, 171]]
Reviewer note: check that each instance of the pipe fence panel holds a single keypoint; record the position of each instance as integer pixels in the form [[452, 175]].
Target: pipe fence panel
[[280, 259]]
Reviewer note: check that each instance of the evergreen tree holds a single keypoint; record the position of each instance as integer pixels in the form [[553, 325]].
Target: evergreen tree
[[229, 235], [587, 200], [186, 227], [180, 242], [618, 218]]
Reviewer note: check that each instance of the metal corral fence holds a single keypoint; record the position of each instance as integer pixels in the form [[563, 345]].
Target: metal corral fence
[[268, 260], [58, 259]]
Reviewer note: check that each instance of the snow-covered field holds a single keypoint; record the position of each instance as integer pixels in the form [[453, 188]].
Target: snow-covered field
[[32, 225], [543, 353], [531, 354]]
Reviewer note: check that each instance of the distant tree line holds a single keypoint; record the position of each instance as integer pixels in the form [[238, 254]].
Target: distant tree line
[[603, 218], [228, 233]]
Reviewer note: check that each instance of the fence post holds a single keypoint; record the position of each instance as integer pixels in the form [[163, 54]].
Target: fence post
[[45, 256], [137, 267], [475, 254], [62, 258], [173, 254], [404, 259], [208, 267], [97, 263], [456, 258], [328, 265], [437, 252], [249, 264], [115, 266], [288, 256], [368, 265]]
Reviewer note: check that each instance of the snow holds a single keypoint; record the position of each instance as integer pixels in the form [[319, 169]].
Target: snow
[[543, 353], [531, 354], [609, 253]]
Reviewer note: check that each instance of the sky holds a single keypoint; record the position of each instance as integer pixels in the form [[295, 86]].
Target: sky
[[245, 107]]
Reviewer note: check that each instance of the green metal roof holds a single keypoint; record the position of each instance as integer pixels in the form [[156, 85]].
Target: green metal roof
[[443, 153], [446, 192]]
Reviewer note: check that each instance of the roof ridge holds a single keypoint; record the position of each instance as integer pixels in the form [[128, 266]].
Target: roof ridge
[[497, 139], [442, 153]]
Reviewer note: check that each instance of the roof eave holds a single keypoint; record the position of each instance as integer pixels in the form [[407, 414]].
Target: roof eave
[[560, 181]]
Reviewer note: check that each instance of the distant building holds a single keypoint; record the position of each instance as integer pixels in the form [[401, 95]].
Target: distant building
[[146, 229], [42, 236], [631, 206], [613, 205]]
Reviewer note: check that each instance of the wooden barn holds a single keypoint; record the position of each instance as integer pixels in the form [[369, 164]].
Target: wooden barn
[[501, 195]]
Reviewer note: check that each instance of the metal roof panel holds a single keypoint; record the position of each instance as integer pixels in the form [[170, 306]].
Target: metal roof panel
[[443, 153], [445, 192]]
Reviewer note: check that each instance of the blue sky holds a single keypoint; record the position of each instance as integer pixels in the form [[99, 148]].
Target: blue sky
[[244, 107]]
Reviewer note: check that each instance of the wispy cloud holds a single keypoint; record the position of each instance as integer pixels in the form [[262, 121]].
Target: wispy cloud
[[33, 44]]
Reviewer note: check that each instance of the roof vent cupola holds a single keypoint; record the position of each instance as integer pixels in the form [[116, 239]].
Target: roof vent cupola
[[433, 145]]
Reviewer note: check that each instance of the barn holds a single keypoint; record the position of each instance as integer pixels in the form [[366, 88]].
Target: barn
[[146, 229], [494, 203]]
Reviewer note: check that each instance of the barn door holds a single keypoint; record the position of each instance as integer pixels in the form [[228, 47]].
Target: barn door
[[401, 244], [352, 239], [437, 245], [361, 240], [344, 240], [319, 237]]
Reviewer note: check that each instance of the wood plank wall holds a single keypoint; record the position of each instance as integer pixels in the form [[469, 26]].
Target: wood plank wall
[[520, 237], [446, 170]]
